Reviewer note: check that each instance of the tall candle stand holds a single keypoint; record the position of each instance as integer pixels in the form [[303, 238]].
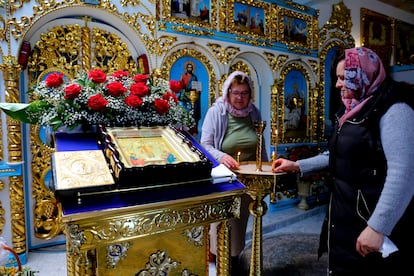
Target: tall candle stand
[[259, 126]]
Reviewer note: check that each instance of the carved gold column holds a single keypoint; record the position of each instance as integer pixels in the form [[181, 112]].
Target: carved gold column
[[86, 46], [223, 249], [11, 70], [259, 184]]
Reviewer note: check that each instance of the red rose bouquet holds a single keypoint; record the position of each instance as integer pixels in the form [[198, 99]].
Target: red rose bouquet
[[92, 98]]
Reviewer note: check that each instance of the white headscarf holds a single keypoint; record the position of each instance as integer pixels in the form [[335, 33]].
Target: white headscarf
[[225, 99]]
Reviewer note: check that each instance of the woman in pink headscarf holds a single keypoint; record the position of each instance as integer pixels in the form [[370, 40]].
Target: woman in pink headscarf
[[370, 160]]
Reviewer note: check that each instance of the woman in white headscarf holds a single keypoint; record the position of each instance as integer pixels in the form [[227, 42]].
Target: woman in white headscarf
[[228, 130]]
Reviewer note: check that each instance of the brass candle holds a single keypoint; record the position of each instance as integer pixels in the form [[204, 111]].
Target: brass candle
[[238, 158]]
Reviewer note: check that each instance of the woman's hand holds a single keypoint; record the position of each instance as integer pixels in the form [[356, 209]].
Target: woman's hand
[[369, 241], [285, 165], [229, 162]]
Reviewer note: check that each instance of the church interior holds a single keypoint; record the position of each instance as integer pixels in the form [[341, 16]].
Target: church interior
[[285, 47]]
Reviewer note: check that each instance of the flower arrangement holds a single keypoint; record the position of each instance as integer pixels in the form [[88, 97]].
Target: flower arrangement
[[118, 99]]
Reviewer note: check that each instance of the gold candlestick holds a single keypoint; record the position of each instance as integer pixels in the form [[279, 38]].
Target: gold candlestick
[[238, 158], [260, 126]]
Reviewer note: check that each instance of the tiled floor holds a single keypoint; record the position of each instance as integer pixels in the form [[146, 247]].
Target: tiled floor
[[52, 261]]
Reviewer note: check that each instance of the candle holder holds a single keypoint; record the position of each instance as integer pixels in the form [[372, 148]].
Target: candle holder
[[259, 126]]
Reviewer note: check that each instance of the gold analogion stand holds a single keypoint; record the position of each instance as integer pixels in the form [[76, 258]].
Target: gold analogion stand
[[260, 181]]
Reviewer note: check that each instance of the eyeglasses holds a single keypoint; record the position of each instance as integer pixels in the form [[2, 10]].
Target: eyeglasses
[[242, 94]]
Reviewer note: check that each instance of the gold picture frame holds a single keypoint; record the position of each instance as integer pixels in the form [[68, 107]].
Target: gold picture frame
[[404, 43], [294, 28], [377, 33], [293, 85], [139, 147], [192, 15], [248, 18]]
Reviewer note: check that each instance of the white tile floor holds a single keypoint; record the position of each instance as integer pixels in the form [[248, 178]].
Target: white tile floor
[[52, 261]]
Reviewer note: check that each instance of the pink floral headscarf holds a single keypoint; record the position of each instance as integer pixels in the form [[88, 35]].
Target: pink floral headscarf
[[363, 74], [224, 98]]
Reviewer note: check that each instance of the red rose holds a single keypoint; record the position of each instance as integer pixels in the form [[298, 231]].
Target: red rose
[[133, 101], [167, 96], [139, 89], [116, 89], [72, 91], [97, 102], [161, 106], [54, 80], [97, 76], [175, 86], [120, 74], [141, 78]]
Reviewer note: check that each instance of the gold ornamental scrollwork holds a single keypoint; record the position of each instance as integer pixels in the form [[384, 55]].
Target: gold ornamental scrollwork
[[140, 224], [240, 66], [275, 62]]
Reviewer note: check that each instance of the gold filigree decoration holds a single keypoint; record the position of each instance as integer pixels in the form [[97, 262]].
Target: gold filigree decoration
[[115, 253], [240, 66], [17, 28], [188, 52], [131, 3], [2, 213], [159, 264], [58, 48], [145, 223], [18, 222], [224, 54], [15, 5], [192, 31], [110, 51], [314, 64], [153, 44], [195, 235], [275, 62], [76, 237], [341, 17], [11, 70]]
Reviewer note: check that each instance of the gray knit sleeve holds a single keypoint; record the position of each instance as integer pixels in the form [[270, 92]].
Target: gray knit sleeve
[[314, 164], [397, 138]]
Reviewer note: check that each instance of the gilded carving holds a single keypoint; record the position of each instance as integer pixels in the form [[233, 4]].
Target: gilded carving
[[240, 66], [224, 54], [2, 213], [115, 253], [275, 62], [11, 72], [341, 17], [160, 263], [148, 223], [195, 235]]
